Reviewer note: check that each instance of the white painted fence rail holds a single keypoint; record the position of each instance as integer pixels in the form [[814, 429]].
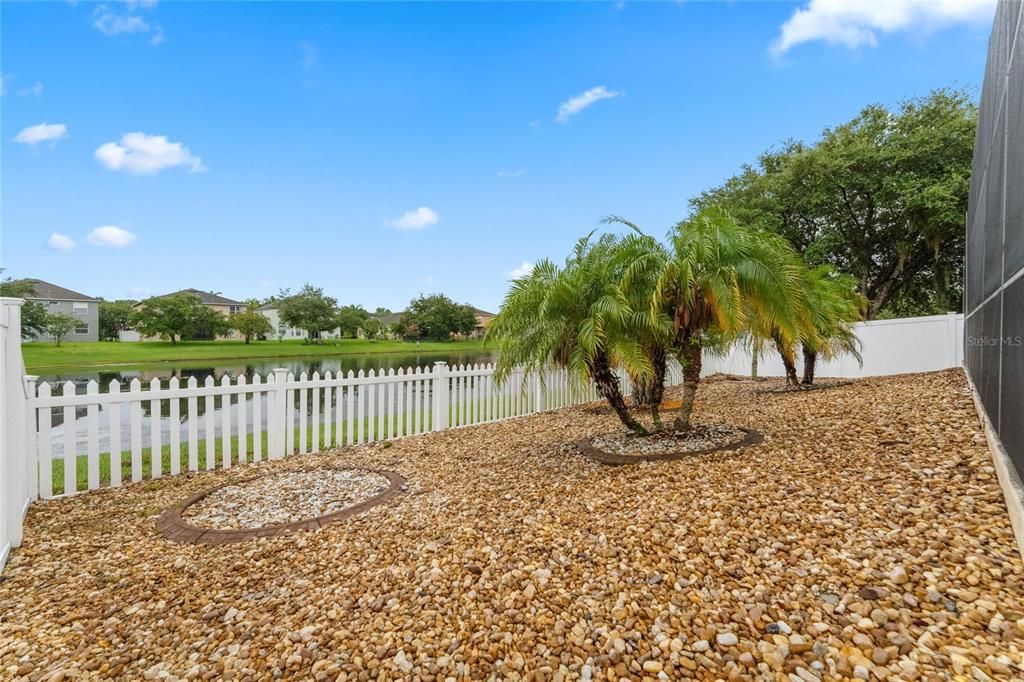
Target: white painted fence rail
[[83, 441]]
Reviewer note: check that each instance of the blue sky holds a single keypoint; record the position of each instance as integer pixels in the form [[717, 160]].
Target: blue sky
[[386, 150]]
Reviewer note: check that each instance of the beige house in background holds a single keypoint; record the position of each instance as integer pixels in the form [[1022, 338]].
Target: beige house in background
[[222, 304]]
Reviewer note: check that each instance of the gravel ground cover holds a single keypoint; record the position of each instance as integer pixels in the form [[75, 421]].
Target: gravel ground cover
[[700, 437], [284, 497], [866, 537]]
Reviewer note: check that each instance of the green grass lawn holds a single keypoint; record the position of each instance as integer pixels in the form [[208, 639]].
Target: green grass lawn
[[44, 355]]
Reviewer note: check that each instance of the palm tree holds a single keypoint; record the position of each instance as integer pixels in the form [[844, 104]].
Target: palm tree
[[716, 277], [577, 317], [832, 305]]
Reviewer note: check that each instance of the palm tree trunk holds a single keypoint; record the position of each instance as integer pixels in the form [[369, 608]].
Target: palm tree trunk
[[691, 377], [810, 358], [608, 386], [657, 385], [787, 359]]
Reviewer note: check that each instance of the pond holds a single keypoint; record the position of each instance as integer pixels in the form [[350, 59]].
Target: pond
[[262, 366], [217, 369]]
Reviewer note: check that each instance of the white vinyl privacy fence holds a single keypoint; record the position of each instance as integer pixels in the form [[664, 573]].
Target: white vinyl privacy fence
[[17, 488], [900, 346]]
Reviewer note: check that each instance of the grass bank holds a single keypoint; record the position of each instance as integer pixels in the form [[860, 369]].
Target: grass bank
[[40, 356]]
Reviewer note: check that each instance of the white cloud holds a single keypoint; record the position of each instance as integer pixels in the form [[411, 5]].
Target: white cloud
[[580, 102], [60, 242], [143, 154], [510, 173], [524, 270], [34, 90], [856, 23], [110, 235], [110, 22], [423, 216], [308, 54], [43, 132]]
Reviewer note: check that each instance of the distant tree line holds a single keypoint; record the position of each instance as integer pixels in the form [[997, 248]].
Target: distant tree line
[[180, 317]]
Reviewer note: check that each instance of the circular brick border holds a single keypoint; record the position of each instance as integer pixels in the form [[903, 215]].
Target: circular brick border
[[587, 448], [173, 527]]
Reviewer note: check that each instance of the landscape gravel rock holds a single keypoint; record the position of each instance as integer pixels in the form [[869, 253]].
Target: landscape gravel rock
[[512, 556], [284, 497]]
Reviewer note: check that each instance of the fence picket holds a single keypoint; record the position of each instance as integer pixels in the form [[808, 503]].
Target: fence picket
[[135, 408], [289, 420], [327, 410], [360, 417], [175, 428], [257, 418], [315, 445], [114, 412], [349, 406], [45, 444], [209, 424], [243, 434], [225, 424], [193, 426], [93, 437], [303, 418], [70, 442]]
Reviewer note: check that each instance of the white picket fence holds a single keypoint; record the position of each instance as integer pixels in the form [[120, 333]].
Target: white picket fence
[[84, 441]]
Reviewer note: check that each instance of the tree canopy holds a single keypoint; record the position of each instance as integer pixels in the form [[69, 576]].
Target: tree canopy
[[178, 317], [309, 309], [251, 323], [33, 313], [437, 317], [882, 197], [350, 319], [115, 317]]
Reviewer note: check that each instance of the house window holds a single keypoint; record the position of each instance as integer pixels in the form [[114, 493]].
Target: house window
[[82, 328], [79, 308]]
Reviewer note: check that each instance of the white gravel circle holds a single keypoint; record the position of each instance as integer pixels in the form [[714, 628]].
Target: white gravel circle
[[285, 497]]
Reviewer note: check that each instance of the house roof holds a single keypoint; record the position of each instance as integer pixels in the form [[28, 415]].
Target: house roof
[[390, 318], [483, 312], [207, 297], [268, 306], [46, 290]]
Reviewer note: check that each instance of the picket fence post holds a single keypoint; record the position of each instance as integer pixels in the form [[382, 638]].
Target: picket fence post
[[276, 413], [31, 454], [439, 389]]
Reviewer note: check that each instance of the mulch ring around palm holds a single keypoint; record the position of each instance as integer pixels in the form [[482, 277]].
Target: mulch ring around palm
[[626, 448], [819, 385], [667, 406]]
